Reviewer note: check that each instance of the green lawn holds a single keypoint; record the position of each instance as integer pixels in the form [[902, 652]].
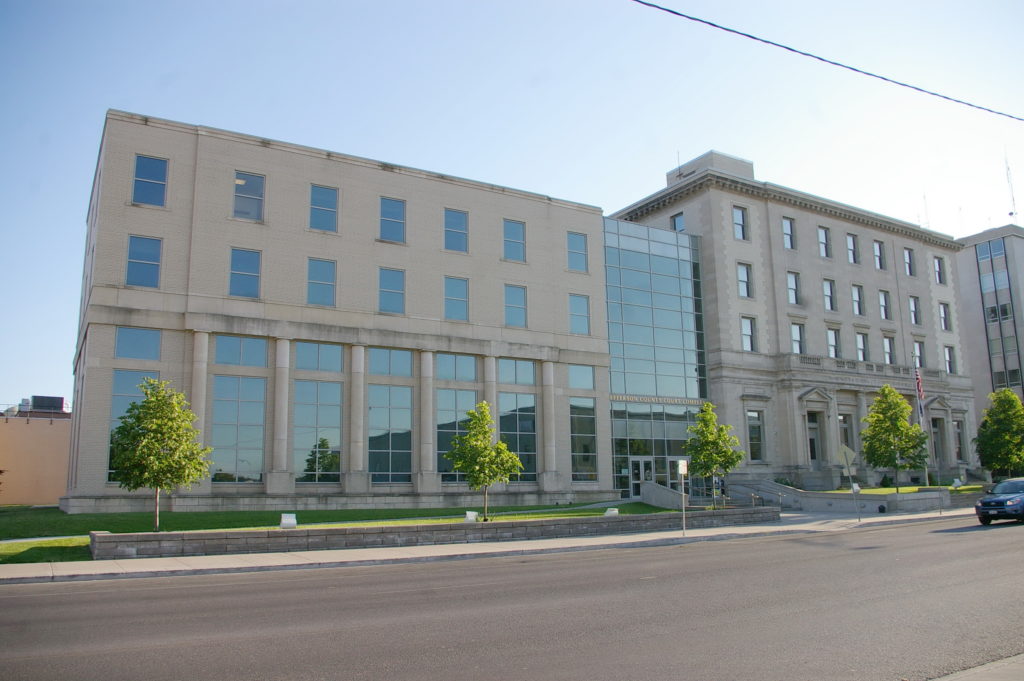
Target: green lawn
[[45, 550]]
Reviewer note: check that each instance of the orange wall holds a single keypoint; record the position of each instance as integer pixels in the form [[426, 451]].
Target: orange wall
[[34, 452]]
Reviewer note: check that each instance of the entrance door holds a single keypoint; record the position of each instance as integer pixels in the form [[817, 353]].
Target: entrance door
[[814, 440], [641, 469]]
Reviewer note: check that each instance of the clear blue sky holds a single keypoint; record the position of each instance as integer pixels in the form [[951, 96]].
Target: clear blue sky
[[587, 100]]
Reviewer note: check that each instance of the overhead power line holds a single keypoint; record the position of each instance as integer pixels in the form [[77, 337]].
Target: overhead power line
[[823, 59]]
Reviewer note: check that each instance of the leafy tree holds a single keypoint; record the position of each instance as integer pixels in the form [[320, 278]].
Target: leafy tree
[[155, 446], [483, 461], [890, 440], [712, 450], [1000, 440]]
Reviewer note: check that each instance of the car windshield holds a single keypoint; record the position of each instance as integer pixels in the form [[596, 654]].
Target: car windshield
[[1009, 487]]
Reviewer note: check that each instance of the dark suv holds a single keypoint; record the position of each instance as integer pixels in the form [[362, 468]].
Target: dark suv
[[1004, 502]]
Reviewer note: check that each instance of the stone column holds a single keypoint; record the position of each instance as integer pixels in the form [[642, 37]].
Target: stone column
[[862, 411], [550, 477], [357, 478], [280, 480], [197, 399], [427, 478], [491, 385]]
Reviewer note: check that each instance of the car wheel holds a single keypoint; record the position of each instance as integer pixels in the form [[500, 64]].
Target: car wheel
[[984, 521]]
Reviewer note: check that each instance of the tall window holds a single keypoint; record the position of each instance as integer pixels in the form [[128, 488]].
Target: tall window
[[143, 262], [583, 438], [318, 356], [316, 435], [518, 430], [323, 208], [581, 377], [940, 270], [388, 362], [456, 299], [516, 372], [743, 277], [678, 223], [824, 242], [391, 294], [796, 334], [950, 356], [515, 306], [832, 341], [248, 196], [240, 351], [789, 233], [456, 230], [448, 367], [945, 321], [748, 334], [852, 249], [389, 423], [828, 288], [576, 246], [150, 186], [245, 273], [755, 434], [392, 220], [857, 295], [919, 354], [793, 288], [239, 407], [124, 391], [739, 223], [888, 349], [908, 262], [862, 347], [879, 252], [579, 314], [958, 439], [884, 309], [320, 286], [914, 307], [514, 240], [451, 407], [133, 343]]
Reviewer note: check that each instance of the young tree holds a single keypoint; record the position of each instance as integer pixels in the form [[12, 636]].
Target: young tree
[[1000, 440], [155, 445], [475, 454], [890, 440], [712, 450]]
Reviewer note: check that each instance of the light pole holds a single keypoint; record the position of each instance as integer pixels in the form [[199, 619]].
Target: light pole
[[683, 465]]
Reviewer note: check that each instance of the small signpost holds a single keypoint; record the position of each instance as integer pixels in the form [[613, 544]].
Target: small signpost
[[683, 466]]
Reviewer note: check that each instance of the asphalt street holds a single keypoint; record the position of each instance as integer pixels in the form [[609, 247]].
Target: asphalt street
[[894, 602]]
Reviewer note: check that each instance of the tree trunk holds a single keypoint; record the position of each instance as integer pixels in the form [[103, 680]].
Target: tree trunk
[[485, 503], [156, 510]]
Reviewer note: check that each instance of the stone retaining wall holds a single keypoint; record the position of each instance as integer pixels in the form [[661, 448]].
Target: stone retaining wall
[[105, 545]]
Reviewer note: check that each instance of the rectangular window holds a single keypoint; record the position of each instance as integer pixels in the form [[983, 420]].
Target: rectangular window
[[579, 314], [132, 343], [124, 391], [583, 438], [239, 409], [321, 275], [323, 208], [888, 349], [879, 251], [392, 220], [908, 262], [150, 186], [748, 334], [945, 321], [796, 334], [793, 288], [388, 362], [456, 299], [581, 377], [576, 245], [516, 372], [862, 348], [391, 292], [958, 439], [755, 434], [678, 223], [448, 367], [389, 425], [456, 230], [518, 430], [824, 242], [828, 289], [743, 277], [316, 433], [832, 342], [914, 307], [143, 262], [451, 408], [515, 306], [788, 233], [240, 351], [249, 196], [515, 241], [884, 309], [852, 249], [857, 295], [919, 354], [940, 270], [739, 223], [244, 280], [950, 357], [318, 356]]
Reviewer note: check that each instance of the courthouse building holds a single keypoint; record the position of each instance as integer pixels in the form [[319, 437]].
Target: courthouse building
[[331, 318]]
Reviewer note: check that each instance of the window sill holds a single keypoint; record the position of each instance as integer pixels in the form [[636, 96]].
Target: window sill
[[390, 241]]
